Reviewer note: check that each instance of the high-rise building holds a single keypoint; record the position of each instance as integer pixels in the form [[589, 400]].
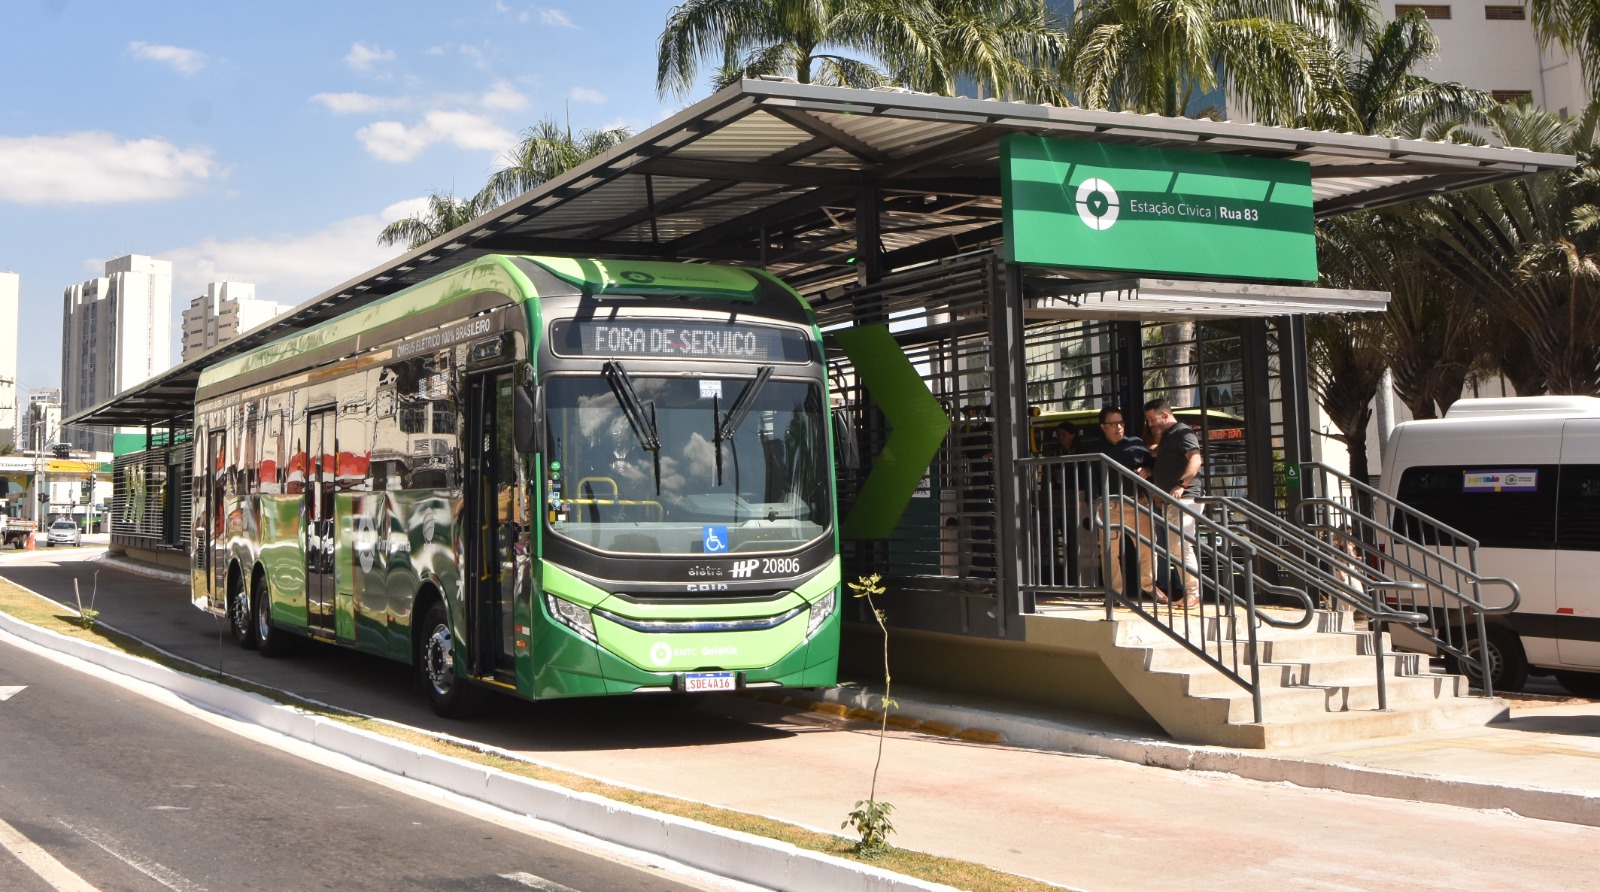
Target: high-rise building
[[1491, 47], [222, 313], [10, 288], [41, 420], [116, 331]]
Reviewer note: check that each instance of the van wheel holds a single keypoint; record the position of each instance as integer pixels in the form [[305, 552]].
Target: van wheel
[[451, 696], [1508, 665], [271, 641], [1582, 684]]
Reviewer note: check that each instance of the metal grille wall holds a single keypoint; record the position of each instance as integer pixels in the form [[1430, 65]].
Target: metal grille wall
[[150, 498], [940, 318]]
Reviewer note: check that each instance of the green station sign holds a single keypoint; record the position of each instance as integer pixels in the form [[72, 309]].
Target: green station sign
[[1096, 205]]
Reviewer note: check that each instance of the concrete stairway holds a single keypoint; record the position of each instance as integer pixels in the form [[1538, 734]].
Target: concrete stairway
[[1318, 684]]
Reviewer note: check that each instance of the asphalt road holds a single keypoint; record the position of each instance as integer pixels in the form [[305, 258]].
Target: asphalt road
[[129, 794]]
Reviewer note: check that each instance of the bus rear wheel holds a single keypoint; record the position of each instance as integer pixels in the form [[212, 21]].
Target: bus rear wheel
[[450, 695], [271, 641]]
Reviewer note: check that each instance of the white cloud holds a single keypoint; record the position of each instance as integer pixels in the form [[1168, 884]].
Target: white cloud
[[584, 94], [356, 103], [362, 57], [555, 18], [504, 97], [181, 60], [395, 142], [98, 168], [290, 268]]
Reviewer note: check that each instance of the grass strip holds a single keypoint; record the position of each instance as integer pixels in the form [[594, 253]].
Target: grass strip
[[36, 610]]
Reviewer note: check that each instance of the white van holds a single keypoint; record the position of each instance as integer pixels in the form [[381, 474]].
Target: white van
[[1522, 476]]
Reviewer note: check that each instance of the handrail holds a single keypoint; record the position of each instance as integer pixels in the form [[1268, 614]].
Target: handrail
[[1279, 539], [1452, 589], [1092, 499]]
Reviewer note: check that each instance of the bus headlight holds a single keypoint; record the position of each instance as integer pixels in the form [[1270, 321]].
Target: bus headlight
[[820, 611], [571, 615]]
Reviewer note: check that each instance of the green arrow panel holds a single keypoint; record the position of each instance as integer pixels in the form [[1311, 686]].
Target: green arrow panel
[[917, 425]]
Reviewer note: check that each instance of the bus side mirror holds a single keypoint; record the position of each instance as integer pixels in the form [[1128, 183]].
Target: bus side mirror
[[525, 412]]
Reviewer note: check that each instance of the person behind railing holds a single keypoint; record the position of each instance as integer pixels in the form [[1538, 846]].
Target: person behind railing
[[1065, 507], [1125, 519], [1176, 471]]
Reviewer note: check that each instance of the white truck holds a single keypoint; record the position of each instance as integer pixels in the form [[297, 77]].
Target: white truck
[[1522, 476]]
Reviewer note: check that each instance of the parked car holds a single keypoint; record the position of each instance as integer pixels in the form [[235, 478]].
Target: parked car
[[64, 532]]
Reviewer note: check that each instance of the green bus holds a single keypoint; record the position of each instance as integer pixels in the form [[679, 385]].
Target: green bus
[[549, 476]]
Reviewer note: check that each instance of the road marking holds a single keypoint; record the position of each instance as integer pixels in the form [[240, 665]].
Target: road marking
[[7, 692], [158, 872], [41, 862], [536, 882]]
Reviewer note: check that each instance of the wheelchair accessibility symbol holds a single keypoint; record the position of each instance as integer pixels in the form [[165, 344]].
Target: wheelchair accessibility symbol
[[715, 539]]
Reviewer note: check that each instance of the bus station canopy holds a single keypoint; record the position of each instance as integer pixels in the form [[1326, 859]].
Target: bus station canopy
[[776, 174]]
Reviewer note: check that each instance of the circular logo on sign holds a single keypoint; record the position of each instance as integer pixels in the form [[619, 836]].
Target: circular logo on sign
[[638, 278], [661, 653], [1097, 203]]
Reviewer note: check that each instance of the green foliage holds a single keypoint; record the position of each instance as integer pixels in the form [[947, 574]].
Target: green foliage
[[871, 817], [871, 820], [86, 615]]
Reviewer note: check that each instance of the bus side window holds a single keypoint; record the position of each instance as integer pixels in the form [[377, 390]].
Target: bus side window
[[1578, 508]]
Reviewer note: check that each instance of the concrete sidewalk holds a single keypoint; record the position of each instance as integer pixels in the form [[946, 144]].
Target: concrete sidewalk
[[1043, 804]]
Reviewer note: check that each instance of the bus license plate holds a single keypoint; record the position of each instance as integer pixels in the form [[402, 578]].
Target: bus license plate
[[709, 681]]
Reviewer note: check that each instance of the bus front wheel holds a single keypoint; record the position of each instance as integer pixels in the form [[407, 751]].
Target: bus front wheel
[[241, 620], [450, 695]]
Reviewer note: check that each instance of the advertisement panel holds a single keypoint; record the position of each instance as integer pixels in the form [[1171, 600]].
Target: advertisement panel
[[1094, 205]]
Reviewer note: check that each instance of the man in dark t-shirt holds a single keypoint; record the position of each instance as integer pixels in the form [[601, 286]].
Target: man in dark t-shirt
[[1177, 472], [1123, 515]]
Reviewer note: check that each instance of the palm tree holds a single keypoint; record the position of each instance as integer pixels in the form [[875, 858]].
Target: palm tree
[[545, 152], [1278, 58], [786, 37], [1382, 95], [1575, 26], [1008, 49], [443, 213], [1527, 247], [1348, 354]]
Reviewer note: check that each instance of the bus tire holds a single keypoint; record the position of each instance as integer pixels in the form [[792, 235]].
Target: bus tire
[[270, 640], [450, 695], [1581, 684], [1508, 665], [241, 616]]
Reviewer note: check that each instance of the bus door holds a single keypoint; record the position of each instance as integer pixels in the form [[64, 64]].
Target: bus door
[[319, 528], [492, 528], [214, 526]]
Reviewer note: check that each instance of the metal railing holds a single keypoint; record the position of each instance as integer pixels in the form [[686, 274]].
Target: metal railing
[[1099, 532], [1330, 572], [1433, 567]]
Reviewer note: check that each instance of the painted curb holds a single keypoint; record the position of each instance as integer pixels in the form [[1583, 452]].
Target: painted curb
[[731, 854], [1532, 802]]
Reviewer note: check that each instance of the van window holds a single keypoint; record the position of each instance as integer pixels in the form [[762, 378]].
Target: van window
[[1578, 514], [1477, 501]]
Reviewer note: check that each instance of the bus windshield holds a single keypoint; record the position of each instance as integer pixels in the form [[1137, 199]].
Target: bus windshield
[[686, 465]]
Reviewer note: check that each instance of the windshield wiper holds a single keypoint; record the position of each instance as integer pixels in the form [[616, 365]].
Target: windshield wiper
[[742, 404], [644, 427], [736, 413]]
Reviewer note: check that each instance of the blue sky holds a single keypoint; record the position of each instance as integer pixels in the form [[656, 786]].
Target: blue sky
[[270, 142]]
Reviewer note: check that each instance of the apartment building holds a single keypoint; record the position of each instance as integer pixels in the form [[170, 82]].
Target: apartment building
[[226, 310], [116, 331]]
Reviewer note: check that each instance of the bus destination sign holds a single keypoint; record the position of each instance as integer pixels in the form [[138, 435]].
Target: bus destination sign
[[672, 339]]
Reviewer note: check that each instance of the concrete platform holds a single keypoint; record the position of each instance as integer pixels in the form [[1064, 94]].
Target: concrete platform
[[1069, 797]]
